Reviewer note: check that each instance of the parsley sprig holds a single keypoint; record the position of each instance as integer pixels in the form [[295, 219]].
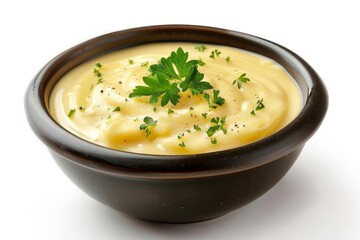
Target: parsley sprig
[[218, 124], [217, 100], [148, 123], [259, 105], [97, 73], [240, 80], [200, 48], [215, 53], [170, 76]]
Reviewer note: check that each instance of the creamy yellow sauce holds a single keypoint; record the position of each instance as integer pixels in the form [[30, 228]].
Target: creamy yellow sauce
[[95, 120]]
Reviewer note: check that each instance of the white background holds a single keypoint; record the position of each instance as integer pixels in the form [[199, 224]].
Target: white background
[[318, 199]]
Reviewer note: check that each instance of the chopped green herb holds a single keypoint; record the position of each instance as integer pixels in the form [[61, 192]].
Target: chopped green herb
[[131, 61], [218, 125], [148, 122], [227, 59], [117, 109], [97, 73], [170, 111], [201, 62], [260, 104], [217, 100], [212, 130], [71, 112], [213, 141], [200, 48], [191, 108], [180, 135], [182, 144], [215, 53], [197, 128], [98, 65], [240, 80], [144, 64], [204, 115]]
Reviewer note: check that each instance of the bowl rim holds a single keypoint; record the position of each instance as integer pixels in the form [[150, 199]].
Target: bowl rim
[[80, 151]]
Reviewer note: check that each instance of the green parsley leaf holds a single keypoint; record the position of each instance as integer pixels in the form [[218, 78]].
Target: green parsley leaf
[[222, 123], [177, 59], [71, 112], [215, 53], [197, 128], [240, 80], [174, 67], [144, 64], [260, 104], [213, 141], [200, 48], [117, 109], [180, 136], [227, 59], [182, 144], [148, 122], [201, 62], [218, 125], [158, 86], [204, 115], [212, 130], [193, 81], [217, 100], [170, 111], [97, 73], [131, 61]]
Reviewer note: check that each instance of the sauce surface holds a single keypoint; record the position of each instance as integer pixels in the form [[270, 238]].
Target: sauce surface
[[100, 110]]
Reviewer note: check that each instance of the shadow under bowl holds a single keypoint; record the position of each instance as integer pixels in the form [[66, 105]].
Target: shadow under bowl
[[180, 188]]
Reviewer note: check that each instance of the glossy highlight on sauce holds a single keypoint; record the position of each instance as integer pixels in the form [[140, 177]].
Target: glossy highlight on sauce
[[103, 113]]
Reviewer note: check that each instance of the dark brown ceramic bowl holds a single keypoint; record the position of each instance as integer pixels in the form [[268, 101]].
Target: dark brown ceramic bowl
[[182, 188]]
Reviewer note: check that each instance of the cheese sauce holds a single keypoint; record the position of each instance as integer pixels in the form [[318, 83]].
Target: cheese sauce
[[104, 114]]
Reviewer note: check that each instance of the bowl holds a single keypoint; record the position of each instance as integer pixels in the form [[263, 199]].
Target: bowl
[[176, 188]]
